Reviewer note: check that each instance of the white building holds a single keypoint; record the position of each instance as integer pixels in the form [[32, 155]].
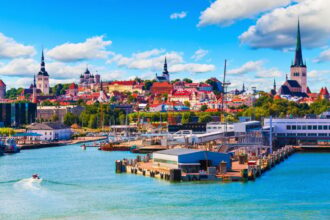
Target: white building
[[50, 131], [240, 127], [220, 127], [299, 130]]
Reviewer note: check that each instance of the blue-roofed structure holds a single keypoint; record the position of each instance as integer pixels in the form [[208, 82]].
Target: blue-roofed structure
[[189, 160]]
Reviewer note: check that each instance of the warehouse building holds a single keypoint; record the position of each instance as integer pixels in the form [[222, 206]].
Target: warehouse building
[[189, 160]]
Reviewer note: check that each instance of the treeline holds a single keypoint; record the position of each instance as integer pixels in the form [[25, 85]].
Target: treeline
[[266, 106], [96, 116], [178, 117]]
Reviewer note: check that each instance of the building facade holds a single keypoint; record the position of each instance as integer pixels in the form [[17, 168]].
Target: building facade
[[2, 90], [17, 114], [50, 131], [297, 131]]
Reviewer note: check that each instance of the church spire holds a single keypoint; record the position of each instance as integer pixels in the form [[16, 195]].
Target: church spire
[[34, 81], [165, 67], [42, 60], [274, 85], [42, 71], [298, 60]]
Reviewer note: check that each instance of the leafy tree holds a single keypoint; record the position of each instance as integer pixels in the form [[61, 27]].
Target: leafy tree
[[6, 132], [187, 80], [205, 119], [92, 123], [70, 119], [203, 108], [186, 103], [54, 118]]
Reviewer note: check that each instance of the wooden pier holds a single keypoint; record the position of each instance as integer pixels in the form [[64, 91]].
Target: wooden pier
[[244, 169]]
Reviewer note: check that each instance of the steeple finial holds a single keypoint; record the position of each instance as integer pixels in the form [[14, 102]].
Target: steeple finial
[[298, 61], [274, 85]]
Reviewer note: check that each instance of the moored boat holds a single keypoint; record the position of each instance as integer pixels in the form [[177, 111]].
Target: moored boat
[[10, 146]]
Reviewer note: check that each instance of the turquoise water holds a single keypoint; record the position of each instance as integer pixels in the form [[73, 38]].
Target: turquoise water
[[79, 184]]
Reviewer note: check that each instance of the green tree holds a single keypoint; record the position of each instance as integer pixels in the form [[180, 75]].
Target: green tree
[[187, 80], [186, 103], [70, 119], [203, 108], [205, 119], [92, 123], [54, 118]]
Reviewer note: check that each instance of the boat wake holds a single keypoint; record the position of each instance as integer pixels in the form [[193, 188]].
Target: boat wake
[[29, 184]]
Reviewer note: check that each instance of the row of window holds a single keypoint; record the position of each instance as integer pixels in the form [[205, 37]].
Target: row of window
[[303, 134], [308, 127]]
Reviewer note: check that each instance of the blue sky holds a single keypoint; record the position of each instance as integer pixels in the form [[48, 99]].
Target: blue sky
[[122, 39]]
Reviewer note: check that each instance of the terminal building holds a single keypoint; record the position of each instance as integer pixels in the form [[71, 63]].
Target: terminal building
[[299, 131], [240, 127], [189, 160]]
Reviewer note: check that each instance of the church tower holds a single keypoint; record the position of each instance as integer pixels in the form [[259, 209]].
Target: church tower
[[165, 72], [298, 68], [43, 77]]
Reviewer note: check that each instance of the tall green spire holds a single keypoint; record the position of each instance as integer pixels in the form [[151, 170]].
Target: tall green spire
[[298, 60]]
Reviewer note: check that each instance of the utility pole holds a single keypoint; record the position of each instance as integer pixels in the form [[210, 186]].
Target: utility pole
[[224, 88]]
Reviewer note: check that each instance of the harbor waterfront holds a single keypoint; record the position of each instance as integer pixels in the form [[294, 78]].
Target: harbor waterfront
[[78, 184]]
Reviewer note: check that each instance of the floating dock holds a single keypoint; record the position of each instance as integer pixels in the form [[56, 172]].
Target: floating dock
[[243, 169]]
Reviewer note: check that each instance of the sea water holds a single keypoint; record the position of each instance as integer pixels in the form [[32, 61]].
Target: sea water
[[77, 184]]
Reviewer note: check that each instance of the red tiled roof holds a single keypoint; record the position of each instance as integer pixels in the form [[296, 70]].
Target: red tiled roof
[[73, 86], [2, 84]]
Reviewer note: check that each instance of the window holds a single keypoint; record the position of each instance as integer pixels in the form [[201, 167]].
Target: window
[[302, 134], [325, 127], [314, 127], [304, 127], [322, 135], [298, 127], [320, 127], [288, 127], [45, 133], [309, 127], [311, 135], [294, 127]]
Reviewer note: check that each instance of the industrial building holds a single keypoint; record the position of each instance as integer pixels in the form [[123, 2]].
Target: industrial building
[[189, 160]]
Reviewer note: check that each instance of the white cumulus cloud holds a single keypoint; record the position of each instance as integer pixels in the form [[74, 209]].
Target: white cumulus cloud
[[92, 48], [323, 57], [9, 48], [248, 67], [225, 12], [277, 29], [178, 15], [199, 54], [153, 60]]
